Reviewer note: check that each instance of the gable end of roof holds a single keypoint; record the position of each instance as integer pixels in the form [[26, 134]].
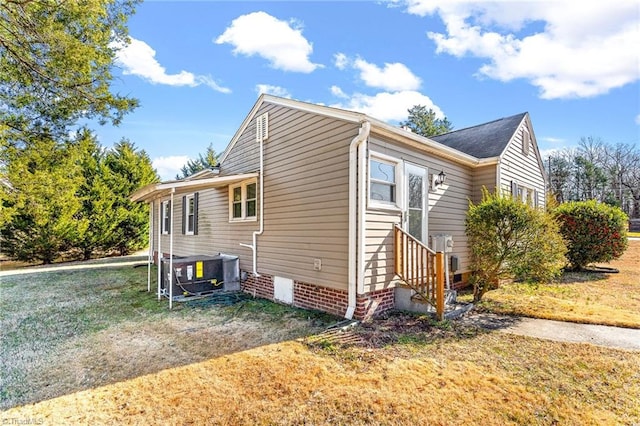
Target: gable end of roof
[[485, 140]]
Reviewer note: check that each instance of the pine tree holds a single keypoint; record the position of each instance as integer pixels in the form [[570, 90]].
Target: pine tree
[[209, 159], [55, 65], [129, 170], [423, 121], [97, 195], [44, 177]]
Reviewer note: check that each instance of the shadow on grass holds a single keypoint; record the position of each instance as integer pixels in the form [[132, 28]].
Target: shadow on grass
[[71, 330]]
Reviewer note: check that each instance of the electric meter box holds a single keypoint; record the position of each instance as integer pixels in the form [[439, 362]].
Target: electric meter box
[[442, 243]]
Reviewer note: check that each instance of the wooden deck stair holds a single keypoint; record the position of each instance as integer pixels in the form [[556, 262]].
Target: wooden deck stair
[[421, 269]]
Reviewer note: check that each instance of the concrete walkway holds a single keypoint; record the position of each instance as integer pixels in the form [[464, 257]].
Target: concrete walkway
[[559, 331]]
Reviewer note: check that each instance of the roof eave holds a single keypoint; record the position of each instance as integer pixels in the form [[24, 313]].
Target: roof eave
[[158, 190], [424, 143]]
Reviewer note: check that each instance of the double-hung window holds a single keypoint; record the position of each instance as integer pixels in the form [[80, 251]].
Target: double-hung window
[[190, 214], [166, 217], [243, 201], [383, 188]]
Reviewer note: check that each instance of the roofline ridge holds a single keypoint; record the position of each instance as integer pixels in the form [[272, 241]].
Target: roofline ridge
[[483, 124]]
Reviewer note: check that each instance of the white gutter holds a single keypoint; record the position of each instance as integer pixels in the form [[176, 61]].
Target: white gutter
[[356, 232], [254, 243], [150, 246], [159, 247], [173, 190]]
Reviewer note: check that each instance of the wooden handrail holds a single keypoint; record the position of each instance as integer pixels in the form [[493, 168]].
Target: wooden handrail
[[420, 268]]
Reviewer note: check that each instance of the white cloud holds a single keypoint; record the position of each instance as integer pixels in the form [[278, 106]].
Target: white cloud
[[272, 90], [138, 58], [392, 77], [584, 49], [169, 167], [638, 119], [338, 92], [279, 42], [389, 106], [551, 139], [340, 60]]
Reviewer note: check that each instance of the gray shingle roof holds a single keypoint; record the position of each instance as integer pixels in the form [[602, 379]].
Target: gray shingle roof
[[484, 140]]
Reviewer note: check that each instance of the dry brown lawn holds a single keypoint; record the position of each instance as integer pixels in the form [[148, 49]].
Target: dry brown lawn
[[434, 376], [120, 357], [594, 298]]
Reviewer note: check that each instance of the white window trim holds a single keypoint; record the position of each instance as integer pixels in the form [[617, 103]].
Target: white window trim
[[186, 213], [527, 194], [243, 198], [165, 230], [397, 163]]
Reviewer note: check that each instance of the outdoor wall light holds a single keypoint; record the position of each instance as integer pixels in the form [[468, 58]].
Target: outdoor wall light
[[438, 180], [215, 169]]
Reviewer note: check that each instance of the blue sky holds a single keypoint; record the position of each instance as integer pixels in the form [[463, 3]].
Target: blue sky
[[198, 67]]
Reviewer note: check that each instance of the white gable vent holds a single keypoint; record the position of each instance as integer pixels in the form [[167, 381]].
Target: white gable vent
[[262, 127], [526, 140]]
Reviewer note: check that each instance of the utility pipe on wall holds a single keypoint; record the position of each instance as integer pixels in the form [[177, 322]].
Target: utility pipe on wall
[[159, 246], [173, 190], [254, 242], [150, 246], [356, 203]]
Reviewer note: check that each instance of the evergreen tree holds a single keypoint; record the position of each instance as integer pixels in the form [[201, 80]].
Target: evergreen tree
[[97, 195], [209, 159], [129, 170], [55, 65], [44, 177], [423, 121]]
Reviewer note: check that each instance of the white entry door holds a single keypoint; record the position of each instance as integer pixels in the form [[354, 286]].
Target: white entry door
[[415, 202]]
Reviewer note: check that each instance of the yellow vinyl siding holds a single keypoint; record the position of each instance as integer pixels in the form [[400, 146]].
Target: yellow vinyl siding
[[446, 212], [305, 195], [306, 198], [484, 176]]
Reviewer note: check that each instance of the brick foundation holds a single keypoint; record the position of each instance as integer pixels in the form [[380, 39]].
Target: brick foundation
[[311, 296], [261, 286], [372, 304], [325, 299]]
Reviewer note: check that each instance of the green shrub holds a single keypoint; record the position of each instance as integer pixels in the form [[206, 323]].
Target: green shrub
[[511, 240], [595, 232]]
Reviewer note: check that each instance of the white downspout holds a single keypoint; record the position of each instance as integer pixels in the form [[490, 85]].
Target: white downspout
[[362, 213], [254, 242], [173, 190], [159, 247], [150, 246], [355, 237]]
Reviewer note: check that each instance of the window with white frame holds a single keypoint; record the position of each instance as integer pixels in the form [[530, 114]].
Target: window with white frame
[[383, 188], [190, 214], [525, 194], [243, 201], [166, 217]]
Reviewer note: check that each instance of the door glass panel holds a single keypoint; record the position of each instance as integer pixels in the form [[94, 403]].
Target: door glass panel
[[415, 191], [415, 217], [415, 223]]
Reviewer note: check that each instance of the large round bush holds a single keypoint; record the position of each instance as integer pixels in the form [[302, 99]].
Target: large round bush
[[511, 240], [593, 231]]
